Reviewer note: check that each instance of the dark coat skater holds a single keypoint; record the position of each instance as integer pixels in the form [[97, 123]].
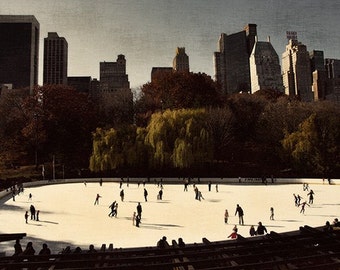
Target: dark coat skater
[[239, 210], [139, 210], [145, 194]]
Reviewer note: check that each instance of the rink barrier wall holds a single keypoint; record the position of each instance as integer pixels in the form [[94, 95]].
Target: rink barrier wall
[[152, 180]]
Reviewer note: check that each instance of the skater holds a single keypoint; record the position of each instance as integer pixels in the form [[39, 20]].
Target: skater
[[133, 218], [138, 218], [139, 210], [271, 213], [239, 210], [112, 207], [299, 199], [26, 216], [303, 206], [226, 216], [200, 196], [121, 194], [160, 194], [186, 182], [32, 210], [311, 196], [216, 187], [97, 199], [295, 200], [37, 217], [115, 211], [196, 193], [261, 229], [209, 186], [30, 197], [145, 194]]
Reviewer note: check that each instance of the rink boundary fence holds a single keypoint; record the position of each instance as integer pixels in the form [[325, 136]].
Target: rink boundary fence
[[176, 181]]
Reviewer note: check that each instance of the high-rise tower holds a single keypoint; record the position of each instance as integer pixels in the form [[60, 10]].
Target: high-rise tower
[[296, 71], [19, 50], [231, 62], [265, 70], [181, 60], [113, 75], [55, 59]]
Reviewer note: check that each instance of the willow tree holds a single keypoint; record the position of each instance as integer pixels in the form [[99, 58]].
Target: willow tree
[[179, 138], [314, 147], [115, 148]]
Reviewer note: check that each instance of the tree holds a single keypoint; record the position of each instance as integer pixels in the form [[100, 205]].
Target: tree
[[66, 118], [12, 120], [179, 138], [314, 147], [177, 90]]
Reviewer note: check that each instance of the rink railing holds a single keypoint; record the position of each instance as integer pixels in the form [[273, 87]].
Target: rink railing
[[165, 180]]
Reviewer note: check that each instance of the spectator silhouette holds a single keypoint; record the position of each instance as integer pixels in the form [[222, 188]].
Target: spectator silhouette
[[45, 250], [17, 248], [29, 249]]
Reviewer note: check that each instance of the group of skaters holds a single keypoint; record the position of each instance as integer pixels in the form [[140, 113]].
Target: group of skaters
[[298, 198]]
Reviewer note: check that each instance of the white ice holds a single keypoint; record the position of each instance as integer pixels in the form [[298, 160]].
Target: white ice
[[68, 216]]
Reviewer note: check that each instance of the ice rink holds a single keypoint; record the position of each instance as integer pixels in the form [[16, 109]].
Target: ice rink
[[68, 216]]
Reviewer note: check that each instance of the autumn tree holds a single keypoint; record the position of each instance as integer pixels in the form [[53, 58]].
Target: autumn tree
[[13, 145], [177, 90], [66, 118]]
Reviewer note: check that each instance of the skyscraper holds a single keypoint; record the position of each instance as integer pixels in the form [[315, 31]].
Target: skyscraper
[[265, 70], [55, 59], [181, 60], [231, 62], [113, 75], [19, 50], [296, 71]]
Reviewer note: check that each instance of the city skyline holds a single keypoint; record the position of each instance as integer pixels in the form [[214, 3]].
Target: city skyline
[[148, 32]]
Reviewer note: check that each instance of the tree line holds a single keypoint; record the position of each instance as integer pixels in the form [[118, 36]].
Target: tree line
[[180, 125]]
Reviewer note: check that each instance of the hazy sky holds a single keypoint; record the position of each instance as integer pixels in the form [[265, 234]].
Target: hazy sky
[[147, 32]]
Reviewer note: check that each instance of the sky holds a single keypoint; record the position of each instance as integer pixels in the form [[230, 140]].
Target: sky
[[148, 32]]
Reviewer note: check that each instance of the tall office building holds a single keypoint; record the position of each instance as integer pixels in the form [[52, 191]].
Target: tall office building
[[231, 62], [19, 50], [55, 59], [113, 75], [181, 60], [296, 71], [265, 69]]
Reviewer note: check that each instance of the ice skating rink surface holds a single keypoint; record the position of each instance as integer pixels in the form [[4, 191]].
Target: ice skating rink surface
[[68, 216]]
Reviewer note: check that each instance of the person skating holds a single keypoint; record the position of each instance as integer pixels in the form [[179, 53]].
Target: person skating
[[240, 212], [112, 207], [145, 194], [226, 216], [303, 206], [311, 196], [122, 195], [139, 210], [271, 213], [97, 199]]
